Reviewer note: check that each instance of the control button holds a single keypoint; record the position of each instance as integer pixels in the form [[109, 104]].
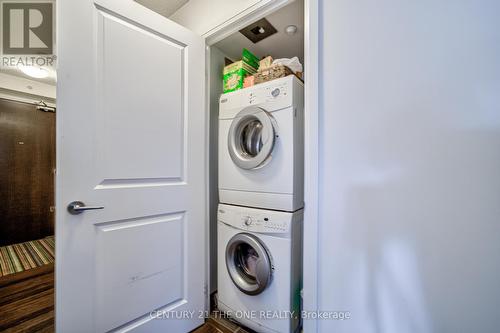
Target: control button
[[275, 92]]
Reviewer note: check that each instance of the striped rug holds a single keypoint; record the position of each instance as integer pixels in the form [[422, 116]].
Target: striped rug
[[23, 256]]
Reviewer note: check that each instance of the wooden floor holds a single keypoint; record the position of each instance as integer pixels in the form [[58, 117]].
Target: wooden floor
[[27, 301], [219, 325], [27, 305]]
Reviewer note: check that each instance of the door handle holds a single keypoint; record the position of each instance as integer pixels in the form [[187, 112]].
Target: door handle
[[78, 207]]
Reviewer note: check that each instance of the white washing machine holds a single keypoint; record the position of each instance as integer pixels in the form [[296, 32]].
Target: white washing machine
[[260, 267], [261, 145]]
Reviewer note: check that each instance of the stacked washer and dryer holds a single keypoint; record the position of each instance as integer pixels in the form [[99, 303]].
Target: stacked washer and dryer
[[260, 216]]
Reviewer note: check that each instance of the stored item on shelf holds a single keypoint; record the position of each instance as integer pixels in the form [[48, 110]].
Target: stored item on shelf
[[271, 73], [250, 58], [248, 81], [234, 80], [234, 75], [238, 65], [292, 63], [265, 63]]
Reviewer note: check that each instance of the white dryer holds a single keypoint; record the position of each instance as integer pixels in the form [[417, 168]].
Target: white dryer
[[261, 145], [260, 267]]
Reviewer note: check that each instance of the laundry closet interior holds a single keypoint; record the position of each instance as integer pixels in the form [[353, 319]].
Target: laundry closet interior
[[255, 154]]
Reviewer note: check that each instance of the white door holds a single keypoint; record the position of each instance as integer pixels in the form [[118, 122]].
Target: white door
[[131, 138]]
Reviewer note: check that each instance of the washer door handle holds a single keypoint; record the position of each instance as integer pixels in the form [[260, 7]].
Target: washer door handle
[[262, 273]]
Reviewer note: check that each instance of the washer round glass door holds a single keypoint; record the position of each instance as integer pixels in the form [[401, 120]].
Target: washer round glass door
[[248, 263], [251, 138]]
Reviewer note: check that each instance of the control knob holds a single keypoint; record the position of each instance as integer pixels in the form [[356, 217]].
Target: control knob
[[248, 221]]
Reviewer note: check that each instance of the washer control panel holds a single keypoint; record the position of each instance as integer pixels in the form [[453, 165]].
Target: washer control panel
[[255, 220], [263, 223]]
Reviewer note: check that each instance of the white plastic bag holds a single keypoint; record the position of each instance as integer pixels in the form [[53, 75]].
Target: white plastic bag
[[293, 63]]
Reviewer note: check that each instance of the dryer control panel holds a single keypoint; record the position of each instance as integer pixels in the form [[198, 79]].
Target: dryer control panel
[[269, 93], [274, 95], [255, 220]]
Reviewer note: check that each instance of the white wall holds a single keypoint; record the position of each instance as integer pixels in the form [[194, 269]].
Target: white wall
[[216, 88], [410, 165]]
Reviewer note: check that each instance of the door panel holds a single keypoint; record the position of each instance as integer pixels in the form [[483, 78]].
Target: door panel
[[163, 107], [131, 138], [150, 284]]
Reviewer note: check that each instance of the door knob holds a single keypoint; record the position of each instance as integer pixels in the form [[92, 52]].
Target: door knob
[[78, 207]]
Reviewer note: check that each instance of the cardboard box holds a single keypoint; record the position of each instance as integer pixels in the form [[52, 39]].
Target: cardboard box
[[248, 81], [237, 66], [266, 62]]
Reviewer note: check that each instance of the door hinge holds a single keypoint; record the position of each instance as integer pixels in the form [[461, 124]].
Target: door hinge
[[42, 106]]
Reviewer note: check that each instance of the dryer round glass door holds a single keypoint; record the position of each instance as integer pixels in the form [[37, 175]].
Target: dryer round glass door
[[251, 138], [248, 263]]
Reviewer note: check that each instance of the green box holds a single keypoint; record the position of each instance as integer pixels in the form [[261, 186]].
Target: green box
[[235, 73], [238, 65], [234, 80], [250, 58]]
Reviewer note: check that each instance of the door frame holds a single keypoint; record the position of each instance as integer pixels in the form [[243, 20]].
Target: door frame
[[311, 141], [242, 19], [26, 98]]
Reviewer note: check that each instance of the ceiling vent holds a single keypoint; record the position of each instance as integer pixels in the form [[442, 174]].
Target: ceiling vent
[[259, 30]]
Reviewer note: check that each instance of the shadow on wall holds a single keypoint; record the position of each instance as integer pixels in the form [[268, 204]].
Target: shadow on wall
[[409, 166], [422, 244]]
